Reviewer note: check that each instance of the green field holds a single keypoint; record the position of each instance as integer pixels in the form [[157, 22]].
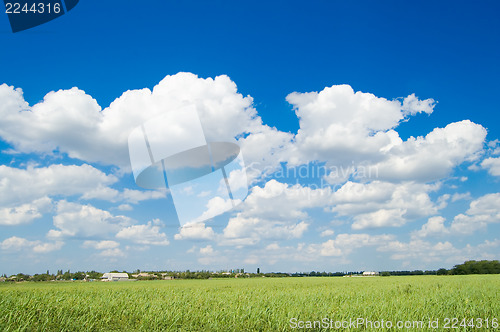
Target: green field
[[256, 304]]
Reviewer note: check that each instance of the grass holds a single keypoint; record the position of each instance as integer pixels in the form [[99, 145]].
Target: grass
[[259, 304]]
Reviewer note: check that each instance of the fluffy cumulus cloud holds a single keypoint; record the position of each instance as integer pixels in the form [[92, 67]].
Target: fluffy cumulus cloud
[[492, 165], [274, 211], [15, 243], [419, 250], [108, 249], [197, 231], [433, 227], [482, 211], [101, 245], [344, 244], [73, 219], [339, 125], [32, 183], [36, 186], [148, 234], [383, 204], [100, 135], [25, 213], [422, 252], [434, 156]]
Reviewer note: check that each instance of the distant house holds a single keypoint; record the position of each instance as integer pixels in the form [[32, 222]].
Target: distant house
[[114, 276], [370, 273]]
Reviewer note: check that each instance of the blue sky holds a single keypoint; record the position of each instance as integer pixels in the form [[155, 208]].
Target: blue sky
[[407, 89]]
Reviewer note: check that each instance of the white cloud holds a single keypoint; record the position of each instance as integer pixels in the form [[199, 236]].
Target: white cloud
[[15, 243], [434, 156], [482, 211], [36, 184], [25, 213], [136, 196], [128, 195], [260, 219], [215, 207], [47, 247], [73, 219], [461, 196], [101, 245], [340, 126], [434, 226], [114, 252], [21, 185], [209, 256], [208, 250], [383, 204], [327, 232], [328, 249], [292, 200], [144, 234], [412, 105], [380, 218], [125, 207], [272, 246], [197, 231], [344, 244], [241, 231], [96, 135], [492, 165], [340, 247], [419, 250]]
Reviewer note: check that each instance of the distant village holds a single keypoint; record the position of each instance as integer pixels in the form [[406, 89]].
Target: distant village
[[469, 267], [169, 275]]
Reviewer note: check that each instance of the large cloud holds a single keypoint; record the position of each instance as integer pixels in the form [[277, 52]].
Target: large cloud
[[492, 165], [148, 234], [76, 220], [339, 125], [482, 211], [72, 122], [15, 243], [381, 204], [434, 156], [25, 213], [275, 211], [18, 185]]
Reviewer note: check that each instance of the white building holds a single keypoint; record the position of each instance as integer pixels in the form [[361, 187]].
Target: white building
[[370, 273], [112, 276]]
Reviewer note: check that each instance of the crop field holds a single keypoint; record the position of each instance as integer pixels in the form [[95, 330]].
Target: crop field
[[256, 304]]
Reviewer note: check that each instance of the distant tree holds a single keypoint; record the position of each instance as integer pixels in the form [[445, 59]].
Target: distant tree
[[258, 270], [67, 275], [477, 267], [385, 274], [442, 272]]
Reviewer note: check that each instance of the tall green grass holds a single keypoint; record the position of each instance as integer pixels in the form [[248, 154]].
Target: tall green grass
[[258, 304]]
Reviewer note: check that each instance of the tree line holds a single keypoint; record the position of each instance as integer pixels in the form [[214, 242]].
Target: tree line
[[468, 267]]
